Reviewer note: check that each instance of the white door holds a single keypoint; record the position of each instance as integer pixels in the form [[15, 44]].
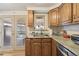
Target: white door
[[20, 31], [7, 33], [12, 32], [1, 34]]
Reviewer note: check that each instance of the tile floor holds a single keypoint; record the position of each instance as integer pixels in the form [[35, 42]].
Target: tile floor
[[13, 53]]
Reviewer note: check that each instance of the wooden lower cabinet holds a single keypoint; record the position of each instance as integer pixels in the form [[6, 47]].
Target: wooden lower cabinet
[[27, 47], [54, 51], [40, 47], [36, 49], [46, 49]]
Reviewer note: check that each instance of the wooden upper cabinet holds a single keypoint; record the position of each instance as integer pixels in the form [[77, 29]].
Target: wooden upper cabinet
[[65, 11], [53, 17], [30, 18], [76, 12]]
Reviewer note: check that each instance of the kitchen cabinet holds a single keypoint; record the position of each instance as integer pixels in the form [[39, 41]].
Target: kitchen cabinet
[[65, 11], [76, 12], [39, 47], [53, 17], [27, 47], [65, 14], [46, 49], [49, 18], [35, 47], [30, 18], [54, 50]]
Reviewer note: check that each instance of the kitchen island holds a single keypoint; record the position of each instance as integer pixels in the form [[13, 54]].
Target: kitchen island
[[40, 46], [47, 46]]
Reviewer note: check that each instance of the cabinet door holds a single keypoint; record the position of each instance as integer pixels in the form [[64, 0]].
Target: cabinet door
[[60, 15], [54, 47], [46, 49], [36, 49], [55, 17], [74, 11], [30, 18], [78, 10], [66, 13]]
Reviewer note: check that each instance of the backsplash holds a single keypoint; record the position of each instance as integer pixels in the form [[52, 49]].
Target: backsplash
[[56, 30], [72, 29]]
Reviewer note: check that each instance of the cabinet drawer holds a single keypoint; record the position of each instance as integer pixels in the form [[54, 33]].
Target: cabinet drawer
[[46, 40], [37, 40]]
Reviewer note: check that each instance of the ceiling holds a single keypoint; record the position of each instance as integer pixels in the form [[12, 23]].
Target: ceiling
[[24, 6]]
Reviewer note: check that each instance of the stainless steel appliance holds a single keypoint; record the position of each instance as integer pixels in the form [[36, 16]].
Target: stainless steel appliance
[[65, 51], [75, 38]]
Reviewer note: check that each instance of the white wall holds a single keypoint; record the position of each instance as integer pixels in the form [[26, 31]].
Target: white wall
[[13, 12], [72, 29]]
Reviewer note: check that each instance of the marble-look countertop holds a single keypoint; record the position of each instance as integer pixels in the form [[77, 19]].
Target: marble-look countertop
[[68, 43], [38, 37]]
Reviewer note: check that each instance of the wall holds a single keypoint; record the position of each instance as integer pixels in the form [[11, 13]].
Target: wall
[[46, 23], [72, 29], [13, 12], [56, 30], [46, 19]]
